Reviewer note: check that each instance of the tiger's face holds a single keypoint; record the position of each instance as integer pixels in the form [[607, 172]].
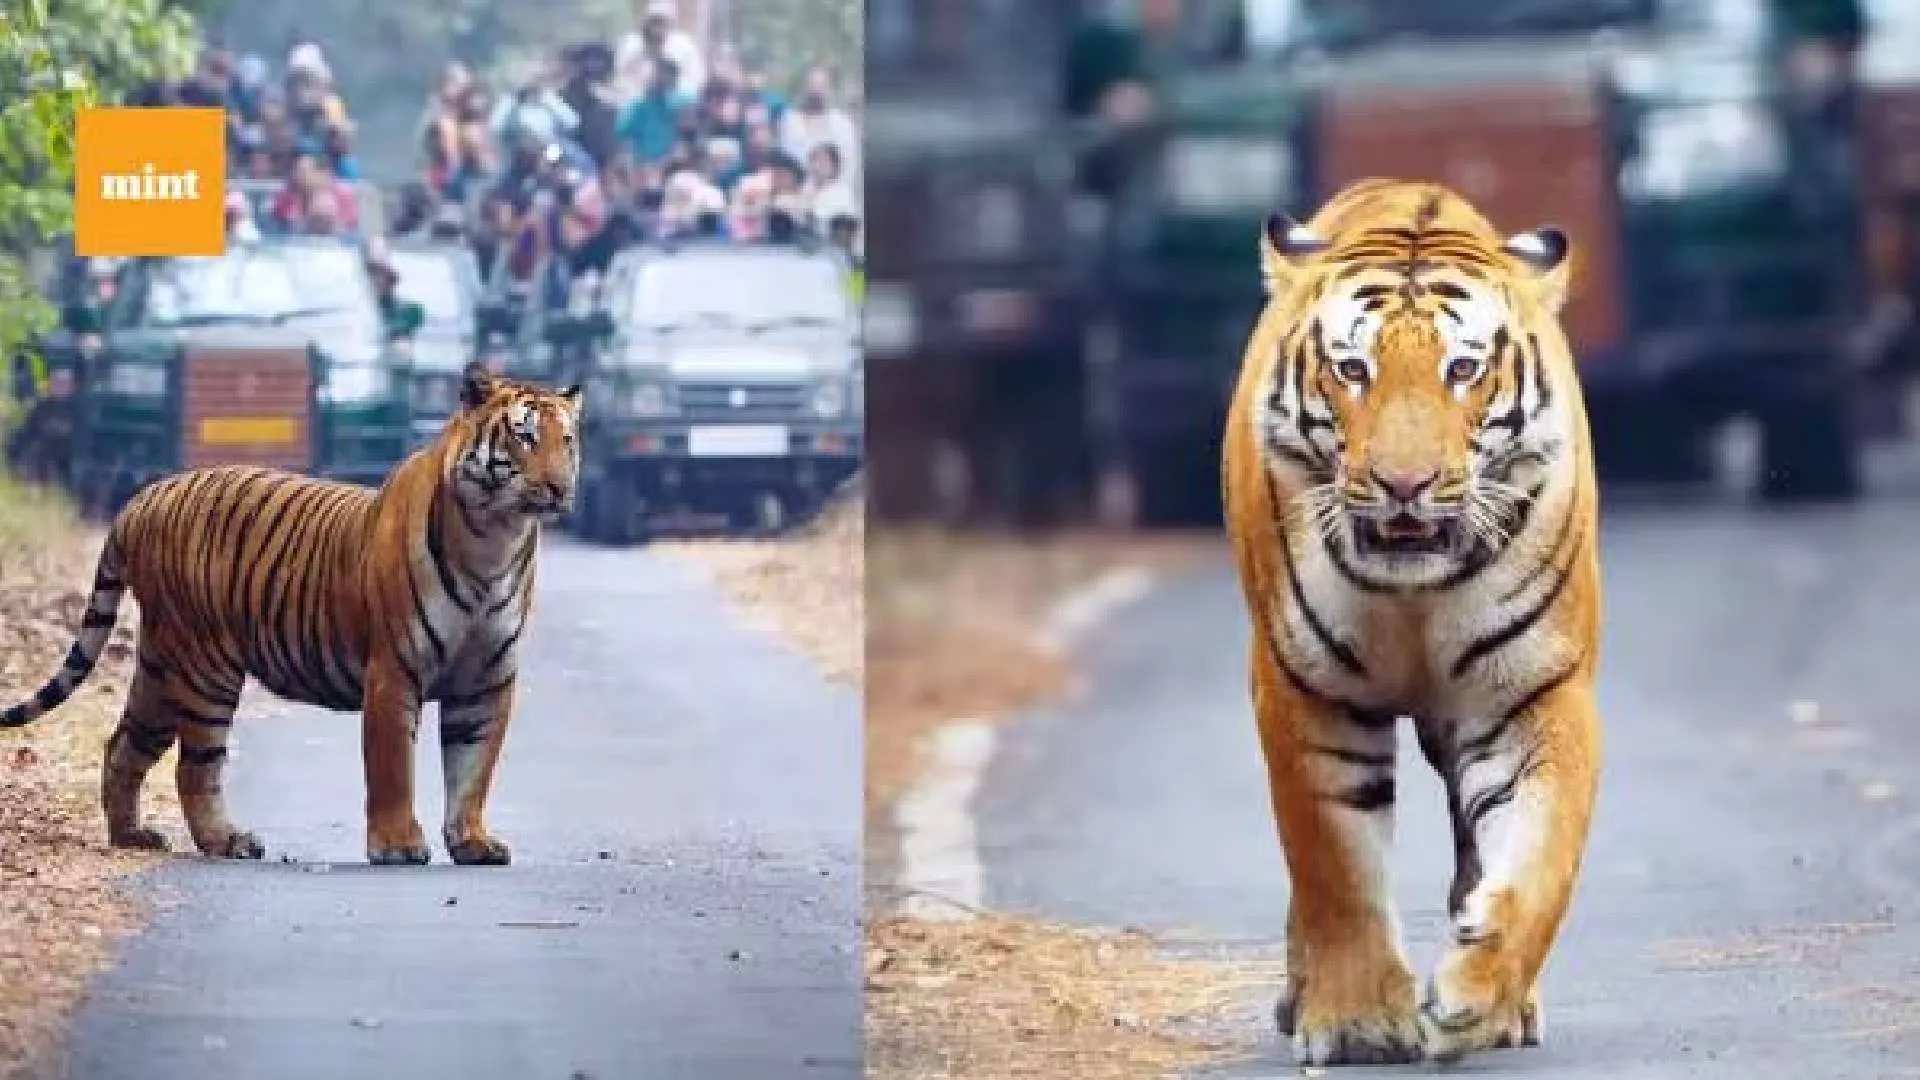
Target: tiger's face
[[523, 458], [1420, 408]]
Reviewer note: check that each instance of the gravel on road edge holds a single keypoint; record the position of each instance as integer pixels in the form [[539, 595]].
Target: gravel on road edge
[[61, 907]]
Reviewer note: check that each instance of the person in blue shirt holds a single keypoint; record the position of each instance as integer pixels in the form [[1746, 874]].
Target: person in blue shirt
[[338, 143], [650, 124]]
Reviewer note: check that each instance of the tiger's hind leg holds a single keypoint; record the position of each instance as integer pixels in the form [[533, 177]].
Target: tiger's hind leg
[[1350, 995], [1526, 785], [203, 759], [146, 731]]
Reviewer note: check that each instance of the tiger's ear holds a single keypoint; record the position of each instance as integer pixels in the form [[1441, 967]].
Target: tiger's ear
[[575, 397], [476, 385], [1545, 251], [1285, 245]]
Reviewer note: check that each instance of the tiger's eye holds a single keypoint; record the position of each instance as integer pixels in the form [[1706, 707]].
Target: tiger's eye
[[1351, 370], [1462, 369]]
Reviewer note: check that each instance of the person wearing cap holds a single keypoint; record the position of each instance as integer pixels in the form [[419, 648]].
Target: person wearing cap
[[661, 38]]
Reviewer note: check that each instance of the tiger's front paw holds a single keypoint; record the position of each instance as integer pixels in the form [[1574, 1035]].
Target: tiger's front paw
[[404, 845], [1352, 1009], [478, 849], [1471, 1004]]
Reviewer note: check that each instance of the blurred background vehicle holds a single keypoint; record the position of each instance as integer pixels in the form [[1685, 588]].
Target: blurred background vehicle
[[1734, 172], [443, 278], [727, 379], [274, 353], [975, 298]]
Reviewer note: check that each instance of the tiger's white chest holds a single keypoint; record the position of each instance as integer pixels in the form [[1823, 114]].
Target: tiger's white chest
[[1471, 650]]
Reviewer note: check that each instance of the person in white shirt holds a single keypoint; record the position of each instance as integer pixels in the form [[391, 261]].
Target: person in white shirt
[[659, 37], [813, 120], [827, 191]]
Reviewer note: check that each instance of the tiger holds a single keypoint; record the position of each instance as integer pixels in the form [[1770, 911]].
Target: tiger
[[335, 595], [1412, 508]]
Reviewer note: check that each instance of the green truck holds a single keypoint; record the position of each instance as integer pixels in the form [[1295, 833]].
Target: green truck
[[275, 353], [975, 294], [1717, 199]]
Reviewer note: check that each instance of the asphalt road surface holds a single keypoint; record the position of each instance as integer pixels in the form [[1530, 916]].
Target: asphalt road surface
[[683, 801], [1750, 905]]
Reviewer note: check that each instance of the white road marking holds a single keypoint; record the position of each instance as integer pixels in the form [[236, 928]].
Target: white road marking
[[939, 844], [1091, 605], [941, 875]]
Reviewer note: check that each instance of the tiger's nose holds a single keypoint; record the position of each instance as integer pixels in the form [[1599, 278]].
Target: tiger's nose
[[1405, 485]]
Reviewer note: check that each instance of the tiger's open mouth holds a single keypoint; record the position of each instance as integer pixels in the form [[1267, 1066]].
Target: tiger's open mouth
[[1405, 534]]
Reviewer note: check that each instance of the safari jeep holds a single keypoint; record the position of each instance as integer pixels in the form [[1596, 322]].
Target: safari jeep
[[272, 354], [974, 295], [723, 382], [443, 281], [1722, 267]]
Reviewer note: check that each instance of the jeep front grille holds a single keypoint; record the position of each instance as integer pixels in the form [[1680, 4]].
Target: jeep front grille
[[742, 401]]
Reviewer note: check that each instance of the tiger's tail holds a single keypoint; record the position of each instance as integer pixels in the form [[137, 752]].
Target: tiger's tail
[[96, 626]]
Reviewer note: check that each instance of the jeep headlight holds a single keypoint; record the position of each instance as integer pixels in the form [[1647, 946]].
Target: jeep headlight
[[137, 380], [355, 385], [829, 400], [1214, 175], [1704, 148]]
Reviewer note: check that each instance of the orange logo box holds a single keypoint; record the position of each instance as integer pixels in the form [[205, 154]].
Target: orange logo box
[[150, 182]]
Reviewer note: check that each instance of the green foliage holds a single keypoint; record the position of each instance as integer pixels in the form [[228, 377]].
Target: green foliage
[[786, 37], [65, 56]]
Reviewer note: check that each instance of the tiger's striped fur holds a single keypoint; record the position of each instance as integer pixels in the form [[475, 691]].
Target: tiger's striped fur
[[1412, 506], [339, 596]]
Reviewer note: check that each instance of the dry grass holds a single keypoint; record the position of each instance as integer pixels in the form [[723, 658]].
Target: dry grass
[[955, 630], [952, 629], [807, 587], [1002, 999], [59, 910]]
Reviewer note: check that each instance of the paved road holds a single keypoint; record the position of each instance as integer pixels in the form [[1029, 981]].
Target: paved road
[[1751, 903], [683, 802]]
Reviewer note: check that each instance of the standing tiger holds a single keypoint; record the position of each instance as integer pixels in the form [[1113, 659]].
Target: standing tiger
[[338, 596], [1411, 501]]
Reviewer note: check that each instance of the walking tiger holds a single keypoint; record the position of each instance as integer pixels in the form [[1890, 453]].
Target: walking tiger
[[1412, 506]]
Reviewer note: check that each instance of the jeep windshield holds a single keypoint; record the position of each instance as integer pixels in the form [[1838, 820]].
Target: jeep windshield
[[743, 292], [321, 288], [432, 280]]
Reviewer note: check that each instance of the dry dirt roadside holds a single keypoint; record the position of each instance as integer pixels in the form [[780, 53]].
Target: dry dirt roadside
[[951, 632], [60, 907]]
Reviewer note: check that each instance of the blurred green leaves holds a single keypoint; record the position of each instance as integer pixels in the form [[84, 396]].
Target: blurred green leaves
[[786, 37], [62, 56]]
